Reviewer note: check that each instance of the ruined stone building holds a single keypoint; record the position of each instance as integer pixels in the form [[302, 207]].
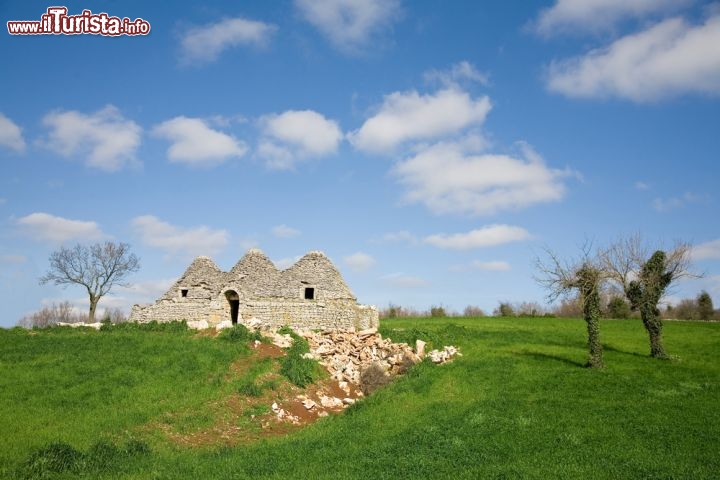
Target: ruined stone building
[[311, 294]]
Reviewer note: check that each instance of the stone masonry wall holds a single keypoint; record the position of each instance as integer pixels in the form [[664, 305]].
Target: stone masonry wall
[[300, 315], [273, 297]]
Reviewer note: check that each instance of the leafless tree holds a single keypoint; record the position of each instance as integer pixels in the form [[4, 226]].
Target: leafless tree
[[583, 278], [98, 268], [645, 277]]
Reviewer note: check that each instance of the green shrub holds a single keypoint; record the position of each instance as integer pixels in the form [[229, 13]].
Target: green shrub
[[56, 457], [618, 308], [250, 388], [299, 370]]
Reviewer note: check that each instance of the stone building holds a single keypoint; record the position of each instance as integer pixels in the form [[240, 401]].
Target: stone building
[[311, 294]]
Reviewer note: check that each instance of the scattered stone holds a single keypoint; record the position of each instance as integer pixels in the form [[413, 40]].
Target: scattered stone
[[347, 354], [197, 324], [420, 348], [223, 325], [282, 340], [309, 404], [95, 325], [330, 402], [444, 355], [348, 401]]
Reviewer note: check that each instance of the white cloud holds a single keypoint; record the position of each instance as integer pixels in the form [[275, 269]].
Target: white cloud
[[494, 266], [641, 186], [359, 261], [189, 241], [403, 236], [105, 138], [596, 15], [401, 280], [407, 116], [296, 135], [349, 24], [488, 236], [458, 73], [285, 263], [446, 179], [707, 251], [665, 205], [194, 143], [667, 59], [3, 201], [283, 231], [204, 44], [49, 228], [11, 135]]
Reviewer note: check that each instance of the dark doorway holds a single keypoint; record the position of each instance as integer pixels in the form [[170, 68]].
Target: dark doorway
[[309, 293], [234, 300]]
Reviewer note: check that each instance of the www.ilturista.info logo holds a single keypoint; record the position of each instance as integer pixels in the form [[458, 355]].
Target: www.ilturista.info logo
[[57, 22]]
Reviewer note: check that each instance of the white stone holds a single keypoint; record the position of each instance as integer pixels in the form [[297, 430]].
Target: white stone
[[420, 348], [223, 325], [330, 402], [198, 324]]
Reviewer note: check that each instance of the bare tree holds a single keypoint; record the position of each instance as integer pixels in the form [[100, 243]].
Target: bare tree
[[98, 268], [645, 278], [584, 278]]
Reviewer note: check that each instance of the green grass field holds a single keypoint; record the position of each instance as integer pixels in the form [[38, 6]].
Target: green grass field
[[518, 404]]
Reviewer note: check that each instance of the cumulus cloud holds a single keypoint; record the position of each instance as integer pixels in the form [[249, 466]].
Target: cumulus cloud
[[596, 15], [11, 135], [707, 251], [296, 135], [408, 116], [401, 280], [50, 228], [205, 44], [283, 231], [447, 179], [670, 58], [105, 138], [349, 24], [194, 143], [178, 240], [487, 236], [460, 72], [359, 261]]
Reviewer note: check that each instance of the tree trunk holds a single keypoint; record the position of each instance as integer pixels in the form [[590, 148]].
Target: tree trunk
[[93, 306], [596, 351], [653, 324]]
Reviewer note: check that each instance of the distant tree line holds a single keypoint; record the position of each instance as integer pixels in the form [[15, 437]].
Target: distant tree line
[[64, 312]]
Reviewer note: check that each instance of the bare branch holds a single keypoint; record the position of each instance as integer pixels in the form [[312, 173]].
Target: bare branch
[[98, 268]]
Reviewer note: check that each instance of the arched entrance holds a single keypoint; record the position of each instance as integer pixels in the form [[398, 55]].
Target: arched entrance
[[234, 300]]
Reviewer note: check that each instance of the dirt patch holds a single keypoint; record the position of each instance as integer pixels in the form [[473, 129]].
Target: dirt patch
[[240, 419]]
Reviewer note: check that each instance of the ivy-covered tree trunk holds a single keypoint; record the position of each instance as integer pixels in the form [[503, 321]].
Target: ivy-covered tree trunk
[[645, 294], [653, 324], [588, 282]]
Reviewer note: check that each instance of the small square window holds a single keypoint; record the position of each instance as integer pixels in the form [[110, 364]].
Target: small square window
[[183, 292], [309, 293]]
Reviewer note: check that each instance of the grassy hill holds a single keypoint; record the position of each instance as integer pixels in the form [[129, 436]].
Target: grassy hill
[[518, 404]]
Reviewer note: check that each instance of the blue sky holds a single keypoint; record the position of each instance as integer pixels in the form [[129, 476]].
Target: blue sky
[[430, 149]]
